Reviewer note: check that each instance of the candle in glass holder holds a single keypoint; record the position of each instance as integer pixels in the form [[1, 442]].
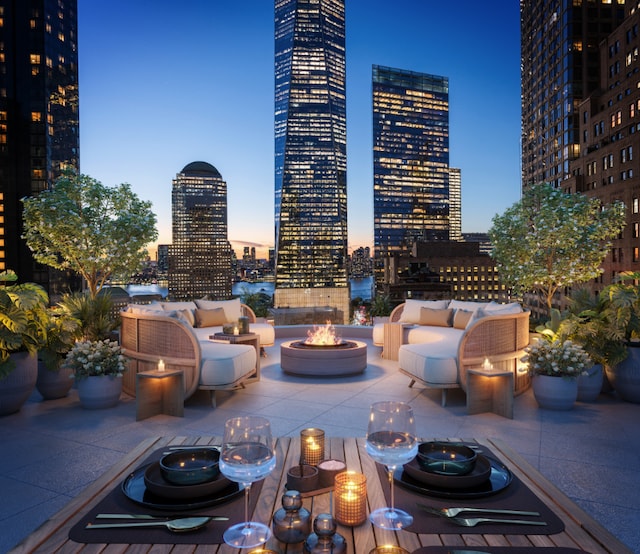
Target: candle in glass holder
[[236, 330], [161, 365], [487, 364], [350, 498], [311, 446]]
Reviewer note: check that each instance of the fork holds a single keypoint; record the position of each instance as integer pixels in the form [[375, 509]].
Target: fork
[[452, 512], [473, 521]]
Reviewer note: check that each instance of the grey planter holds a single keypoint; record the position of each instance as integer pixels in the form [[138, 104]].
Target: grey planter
[[590, 386], [625, 377], [19, 384]]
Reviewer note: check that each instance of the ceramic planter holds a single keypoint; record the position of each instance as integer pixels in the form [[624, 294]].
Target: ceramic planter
[[555, 393], [19, 384], [625, 377], [590, 386], [96, 393], [53, 384]]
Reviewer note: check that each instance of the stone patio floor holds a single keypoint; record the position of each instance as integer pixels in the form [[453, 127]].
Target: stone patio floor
[[53, 449]]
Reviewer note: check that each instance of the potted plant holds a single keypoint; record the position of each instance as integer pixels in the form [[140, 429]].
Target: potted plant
[[97, 367], [555, 365], [23, 312], [62, 331], [95, 314]]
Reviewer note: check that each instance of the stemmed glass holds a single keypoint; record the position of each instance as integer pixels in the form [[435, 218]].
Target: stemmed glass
[[391, 441], [247, 456]]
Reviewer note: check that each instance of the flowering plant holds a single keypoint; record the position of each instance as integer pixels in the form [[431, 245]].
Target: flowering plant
[[557, 358], [94, 358]]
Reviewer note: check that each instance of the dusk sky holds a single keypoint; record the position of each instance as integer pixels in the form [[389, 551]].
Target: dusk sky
[[165, 83]]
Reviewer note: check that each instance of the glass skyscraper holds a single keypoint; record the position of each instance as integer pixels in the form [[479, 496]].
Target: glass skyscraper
[[410, 160], [38, 117], [310, 155], [560, 67], [200, 254]]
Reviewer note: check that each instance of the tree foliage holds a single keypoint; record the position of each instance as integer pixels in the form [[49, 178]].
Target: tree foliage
[[550, 239], [99, 232]]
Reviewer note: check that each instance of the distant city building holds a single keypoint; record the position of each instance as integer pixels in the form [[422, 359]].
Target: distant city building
[[607, 168], [560, 68], [200, 255], [39, 118], [443, 269], [310, 155], [482, 239], [361, 264], [411, 174], [455, 204], [163, 260]]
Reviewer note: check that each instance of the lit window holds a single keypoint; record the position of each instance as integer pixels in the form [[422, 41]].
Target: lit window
[[36, 116]]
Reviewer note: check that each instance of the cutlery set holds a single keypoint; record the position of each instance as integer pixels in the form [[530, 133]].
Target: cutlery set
[[452, 513], [177, 524]]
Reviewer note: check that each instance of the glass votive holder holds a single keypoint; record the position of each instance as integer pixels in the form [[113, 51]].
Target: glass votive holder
[[227, 328], [389, 549], [311, 446], [243, 324], [350, 496], [303, 478], [327, 471], [263, 551]]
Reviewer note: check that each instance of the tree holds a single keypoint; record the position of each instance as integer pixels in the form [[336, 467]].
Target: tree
[[551, 239], [97, 231]]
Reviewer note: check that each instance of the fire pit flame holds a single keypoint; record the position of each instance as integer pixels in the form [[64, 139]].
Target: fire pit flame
[[323, 336]]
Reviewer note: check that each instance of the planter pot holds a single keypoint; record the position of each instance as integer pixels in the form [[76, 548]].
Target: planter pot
[[625, 377], [555, 393], [590, 386], [53, 384], [96, 393], [19, 384]]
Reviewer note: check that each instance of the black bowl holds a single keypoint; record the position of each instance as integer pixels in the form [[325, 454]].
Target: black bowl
[[190, 467], [446, 458]]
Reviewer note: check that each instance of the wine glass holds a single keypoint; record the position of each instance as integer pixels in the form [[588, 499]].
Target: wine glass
[[391, 440], [247, 455]]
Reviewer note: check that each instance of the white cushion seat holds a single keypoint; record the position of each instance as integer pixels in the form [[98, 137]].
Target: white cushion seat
[[224, 364]]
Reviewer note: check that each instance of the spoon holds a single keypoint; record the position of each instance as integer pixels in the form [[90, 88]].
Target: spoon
[[180, 525]]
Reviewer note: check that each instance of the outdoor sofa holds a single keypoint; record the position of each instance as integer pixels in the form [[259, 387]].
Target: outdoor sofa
[[442, 339], [178, 334]]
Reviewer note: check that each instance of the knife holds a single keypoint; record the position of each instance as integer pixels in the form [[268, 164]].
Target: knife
[[147, 516]]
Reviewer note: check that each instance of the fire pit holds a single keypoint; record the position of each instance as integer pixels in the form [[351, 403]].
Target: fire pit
[[323, 353]]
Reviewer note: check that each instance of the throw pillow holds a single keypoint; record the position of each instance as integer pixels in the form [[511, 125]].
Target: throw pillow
[[411, 311], [210, 318], [478, 314], [231, 308], [461, 318], [467, 305], [435, 318]]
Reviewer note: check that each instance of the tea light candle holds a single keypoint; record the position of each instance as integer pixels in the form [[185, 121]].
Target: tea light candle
[[236, 330], [350, 498], [311, 446], [487, 364], [161, 365]]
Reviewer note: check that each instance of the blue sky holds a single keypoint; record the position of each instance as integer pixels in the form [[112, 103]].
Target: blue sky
[[165, 83]]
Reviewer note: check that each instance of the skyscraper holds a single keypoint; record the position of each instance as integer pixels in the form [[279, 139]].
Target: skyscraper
[[38, 115], [410, 160], [455, 204], [310, 155], [560, 67], [200, 254]]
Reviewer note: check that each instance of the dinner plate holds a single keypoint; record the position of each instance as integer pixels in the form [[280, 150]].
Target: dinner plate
[[134, 488], [499, 479], [157, 484], [478, 475]]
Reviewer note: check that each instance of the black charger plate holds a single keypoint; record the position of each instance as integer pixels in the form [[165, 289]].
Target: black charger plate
[[134, 488], [499, 479]]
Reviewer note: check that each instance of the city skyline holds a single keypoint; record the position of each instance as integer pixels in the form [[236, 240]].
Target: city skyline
[[163, 88]]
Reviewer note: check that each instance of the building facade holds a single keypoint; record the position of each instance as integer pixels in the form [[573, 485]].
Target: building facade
[[608, 167], [310, 155], [560, 68], [455, 204], [200, 254], [39, 118], [410, 161]]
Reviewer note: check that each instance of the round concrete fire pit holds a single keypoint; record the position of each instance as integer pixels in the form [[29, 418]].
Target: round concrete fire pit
[[346, 358]]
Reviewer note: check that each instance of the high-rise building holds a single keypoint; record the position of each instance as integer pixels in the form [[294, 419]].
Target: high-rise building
[[560, 68], [310, 155], [38, 116], [411, 171], [455, 204], [200, 254]]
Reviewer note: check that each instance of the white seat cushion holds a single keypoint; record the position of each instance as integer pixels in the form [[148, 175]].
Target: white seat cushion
[[433, 363], [224, 364]]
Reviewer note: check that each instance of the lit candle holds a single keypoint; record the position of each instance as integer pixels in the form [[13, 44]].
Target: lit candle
[[487, 364], [311, 446], [161, 365], [351, 498], [236, 331]]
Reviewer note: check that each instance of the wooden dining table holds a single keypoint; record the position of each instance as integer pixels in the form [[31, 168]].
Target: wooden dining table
[[581, 532]]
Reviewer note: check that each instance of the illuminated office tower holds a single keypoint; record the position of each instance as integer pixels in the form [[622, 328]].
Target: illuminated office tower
[[560, 67], [200, 255], [455, 204], [38, 118], [410, 161], [310, 155]]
